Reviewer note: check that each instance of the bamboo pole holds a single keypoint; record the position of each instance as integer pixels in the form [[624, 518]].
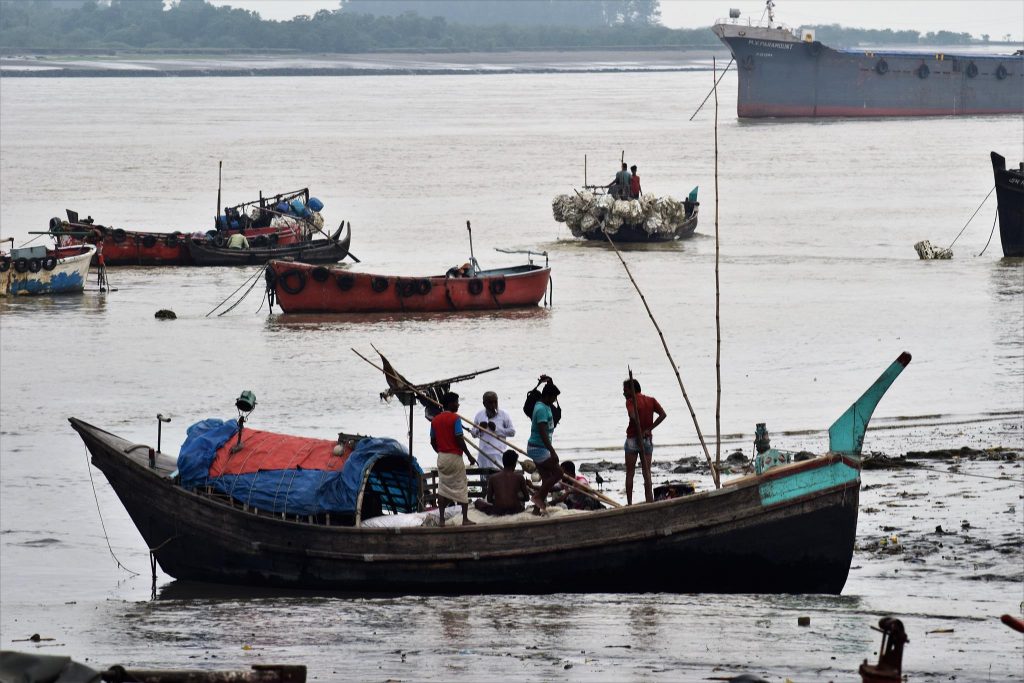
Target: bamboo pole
[[672, 362], [718, 298], [420, 394]]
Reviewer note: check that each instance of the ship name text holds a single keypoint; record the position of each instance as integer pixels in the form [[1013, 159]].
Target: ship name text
[[772, 44]]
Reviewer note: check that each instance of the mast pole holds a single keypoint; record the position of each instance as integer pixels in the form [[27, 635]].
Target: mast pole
[[220, 165], [718, 316]]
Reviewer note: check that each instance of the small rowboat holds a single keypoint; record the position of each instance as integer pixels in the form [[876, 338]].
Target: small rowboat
[[329, 250], [304, 288], [38, 270]]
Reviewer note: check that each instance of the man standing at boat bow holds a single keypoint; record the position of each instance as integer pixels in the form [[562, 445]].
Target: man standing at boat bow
[[641, 410], [447, 440]]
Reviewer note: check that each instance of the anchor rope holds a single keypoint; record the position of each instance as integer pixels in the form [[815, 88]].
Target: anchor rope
[[100, 513], [228, 297], [993, 231], [972, 217]]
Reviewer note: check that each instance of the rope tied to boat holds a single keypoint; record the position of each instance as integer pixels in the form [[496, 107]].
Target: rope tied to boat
[[252, 280], [99, 512]]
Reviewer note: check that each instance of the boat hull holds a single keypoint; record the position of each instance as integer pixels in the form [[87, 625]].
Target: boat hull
[[126, 248], [313, 251], [1010, 197], [782, 77], [789, 531], [304, 288], [67, 276], [636, 233]]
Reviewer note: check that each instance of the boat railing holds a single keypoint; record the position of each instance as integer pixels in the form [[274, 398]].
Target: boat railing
[[476, 478]]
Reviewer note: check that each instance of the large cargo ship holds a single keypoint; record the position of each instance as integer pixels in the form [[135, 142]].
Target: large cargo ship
[[784, 73]]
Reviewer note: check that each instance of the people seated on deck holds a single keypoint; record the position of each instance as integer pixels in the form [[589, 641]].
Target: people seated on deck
[[506, 492], [573, 498], [238, 241], [619, 188]]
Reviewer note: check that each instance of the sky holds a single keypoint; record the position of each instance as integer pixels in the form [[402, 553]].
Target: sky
[[994, 17]]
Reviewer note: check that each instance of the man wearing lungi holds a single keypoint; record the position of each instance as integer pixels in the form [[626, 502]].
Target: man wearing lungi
[[449, 444]]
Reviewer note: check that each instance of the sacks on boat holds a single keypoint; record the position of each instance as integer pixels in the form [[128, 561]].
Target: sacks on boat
[[584, 211], [292, 474]]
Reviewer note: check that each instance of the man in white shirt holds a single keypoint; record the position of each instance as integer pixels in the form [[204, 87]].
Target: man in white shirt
[[495, 420]]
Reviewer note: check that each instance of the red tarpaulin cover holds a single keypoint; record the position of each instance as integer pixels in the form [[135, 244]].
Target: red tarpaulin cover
[[270, 451]]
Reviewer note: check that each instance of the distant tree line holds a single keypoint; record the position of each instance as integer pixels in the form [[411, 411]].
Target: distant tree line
[[373, 25]]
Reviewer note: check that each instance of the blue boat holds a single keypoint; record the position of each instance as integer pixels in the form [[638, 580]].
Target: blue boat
[[39, 270]]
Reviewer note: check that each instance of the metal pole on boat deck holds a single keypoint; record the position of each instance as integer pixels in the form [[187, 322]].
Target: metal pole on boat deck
[[220, 165], [472, 258], [584, 170], [160, 419]]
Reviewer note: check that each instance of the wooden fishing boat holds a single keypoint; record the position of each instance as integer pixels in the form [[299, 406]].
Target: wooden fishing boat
[[635, 232], [269, 221], [1010, 198], [594, 214], [329, 250], [304, 288], [789, 529], [39, 270]]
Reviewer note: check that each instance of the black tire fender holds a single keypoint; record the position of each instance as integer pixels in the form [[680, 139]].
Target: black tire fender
[[49, 263], [261, 241], [923, 71], [344, 281], [497, 286], [476, 285], [423, 287], [5, 264], [406, 288], [379, 284], [1001, 72], [219, 241], [881, 67], [149, 241], [320, 274], [971, 70], [119, 235], [56, 224], [271, 277], [273, 239], [293, 274], [34, 265], [172, 239], [20, 265]]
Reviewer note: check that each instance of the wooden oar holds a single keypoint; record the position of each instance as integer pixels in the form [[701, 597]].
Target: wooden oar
[[511, 445]]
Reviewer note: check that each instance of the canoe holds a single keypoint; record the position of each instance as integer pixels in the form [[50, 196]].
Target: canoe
[[38, 270], [789, 529], [1010, 200], [304, 288], [329, 250]]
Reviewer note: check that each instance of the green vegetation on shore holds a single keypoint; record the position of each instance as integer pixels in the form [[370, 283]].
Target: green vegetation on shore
[[195, 25]]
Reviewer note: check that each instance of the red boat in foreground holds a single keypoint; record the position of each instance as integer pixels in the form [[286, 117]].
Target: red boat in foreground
[[305, 288]]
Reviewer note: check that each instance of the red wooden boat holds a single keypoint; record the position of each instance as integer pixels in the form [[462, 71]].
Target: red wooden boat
[[270, 221], [305, 288]]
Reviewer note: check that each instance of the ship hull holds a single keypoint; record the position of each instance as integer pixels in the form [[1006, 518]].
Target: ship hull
[[1010, 197], [782, 77]]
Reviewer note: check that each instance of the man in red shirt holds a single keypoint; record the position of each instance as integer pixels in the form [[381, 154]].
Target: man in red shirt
[[634, 184], [449, 444], [641, 410]]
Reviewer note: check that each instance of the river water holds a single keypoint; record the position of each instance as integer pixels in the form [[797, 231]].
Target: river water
[[821, 290]]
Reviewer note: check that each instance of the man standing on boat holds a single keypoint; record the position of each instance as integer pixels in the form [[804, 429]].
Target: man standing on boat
[[539, 448], [496, 421], [634, 184], [619, 187], [641, 410], [447, 440]]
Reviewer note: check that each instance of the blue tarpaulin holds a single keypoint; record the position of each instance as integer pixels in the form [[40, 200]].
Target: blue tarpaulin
[[301, 490]]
